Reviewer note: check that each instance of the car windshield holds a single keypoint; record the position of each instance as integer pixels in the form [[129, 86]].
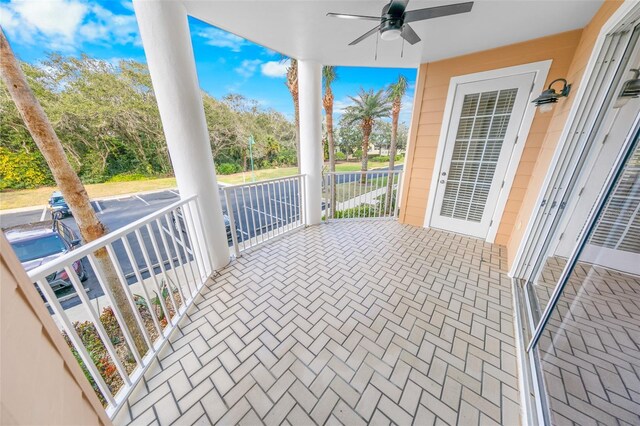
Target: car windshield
[[37, 248], [56, 200]]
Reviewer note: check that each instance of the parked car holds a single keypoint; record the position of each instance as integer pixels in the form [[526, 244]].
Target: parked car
[[41, 242], [58, 206]]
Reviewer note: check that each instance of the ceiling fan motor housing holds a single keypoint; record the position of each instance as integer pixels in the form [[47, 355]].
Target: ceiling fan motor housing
[[391, 25]]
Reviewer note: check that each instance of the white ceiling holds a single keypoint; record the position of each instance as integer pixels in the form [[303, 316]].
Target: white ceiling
[[301, 29]]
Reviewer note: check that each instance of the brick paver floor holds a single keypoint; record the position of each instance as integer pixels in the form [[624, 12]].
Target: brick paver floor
[[347, 322], [590, 349]]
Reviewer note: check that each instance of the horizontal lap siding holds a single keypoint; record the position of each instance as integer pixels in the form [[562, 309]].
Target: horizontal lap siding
[[431, 96]]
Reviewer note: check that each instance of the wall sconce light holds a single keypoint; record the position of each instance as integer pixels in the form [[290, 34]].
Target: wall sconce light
[[630, 89], [549, 97]]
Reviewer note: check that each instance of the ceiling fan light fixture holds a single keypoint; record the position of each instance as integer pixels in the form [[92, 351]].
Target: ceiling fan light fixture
[[391, 34]]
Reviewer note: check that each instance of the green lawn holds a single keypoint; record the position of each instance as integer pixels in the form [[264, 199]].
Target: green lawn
[[39, 196]]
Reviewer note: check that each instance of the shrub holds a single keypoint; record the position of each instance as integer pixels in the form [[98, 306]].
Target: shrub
[[23, 170], [228, 168], [340, 156], [128, 177], [363, 210], [385, 158]]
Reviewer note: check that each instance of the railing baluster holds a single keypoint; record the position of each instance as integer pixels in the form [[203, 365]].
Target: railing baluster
[[280, 211], [183, 241], [242, 233], [75, 340], [299, 182], [130, 298], [287, 198], [174, 242], [204, 249], [136, 271], [270, 209], [116, 311], [193, 240], [259, 210], [232, 223], [246, 217], [152, 273], [396, 207], [154, 244], [167, 250], [254, 239], [95, 317]]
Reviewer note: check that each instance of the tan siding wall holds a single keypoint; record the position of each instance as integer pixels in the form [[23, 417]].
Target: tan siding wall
[[559, 117], [569, 51], [40, 381], [425, 132]]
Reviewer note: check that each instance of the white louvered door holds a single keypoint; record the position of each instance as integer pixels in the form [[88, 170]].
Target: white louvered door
[[482, 133]]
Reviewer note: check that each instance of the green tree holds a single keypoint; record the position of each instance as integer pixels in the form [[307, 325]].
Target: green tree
[[368, 107], [329, 75], [292, 85], [395, 92], [47, 141], [349, 138]]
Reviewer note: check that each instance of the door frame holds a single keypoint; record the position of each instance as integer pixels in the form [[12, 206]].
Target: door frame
[[541, 70]]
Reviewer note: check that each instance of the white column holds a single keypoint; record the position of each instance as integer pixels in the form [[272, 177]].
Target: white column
[[310, 97], [167, 44]]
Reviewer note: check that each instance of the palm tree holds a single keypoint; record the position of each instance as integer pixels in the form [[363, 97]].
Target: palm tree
[[395, 93], [367, 107], [292, 85], [66, 178], [329, 75]]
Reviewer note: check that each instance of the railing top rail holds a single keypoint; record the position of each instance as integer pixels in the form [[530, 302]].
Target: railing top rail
[[260, 182], [367, 172], [42, 271]]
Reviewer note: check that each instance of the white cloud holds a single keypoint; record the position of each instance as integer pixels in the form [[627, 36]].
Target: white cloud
[[340, 105], [248, 67], [66, 24], [275, 69], [52, 18], [219, 38]]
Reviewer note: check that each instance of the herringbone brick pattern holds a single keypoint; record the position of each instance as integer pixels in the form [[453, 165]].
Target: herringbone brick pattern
[[350, 322], [590, 349]]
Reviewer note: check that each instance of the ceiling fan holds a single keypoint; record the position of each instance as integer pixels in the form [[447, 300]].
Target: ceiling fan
[[394, 19]]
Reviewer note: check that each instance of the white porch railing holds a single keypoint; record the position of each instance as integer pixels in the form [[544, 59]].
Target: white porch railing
[[359, 195], [259, 211], [156, 255]]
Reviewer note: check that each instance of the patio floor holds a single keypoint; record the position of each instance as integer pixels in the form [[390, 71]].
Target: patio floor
[[347, 322]]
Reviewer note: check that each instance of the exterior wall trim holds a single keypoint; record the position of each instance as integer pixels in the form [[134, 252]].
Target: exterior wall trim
[[412, 138], [625, 15], [541, 70]]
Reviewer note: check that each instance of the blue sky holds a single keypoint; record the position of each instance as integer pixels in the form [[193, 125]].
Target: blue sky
[[225, 63]]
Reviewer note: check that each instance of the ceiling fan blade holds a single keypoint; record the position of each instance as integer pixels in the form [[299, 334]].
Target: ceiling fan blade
[[397, 7], [437, 12], [365, 35], [409, 35], [347, 16]]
